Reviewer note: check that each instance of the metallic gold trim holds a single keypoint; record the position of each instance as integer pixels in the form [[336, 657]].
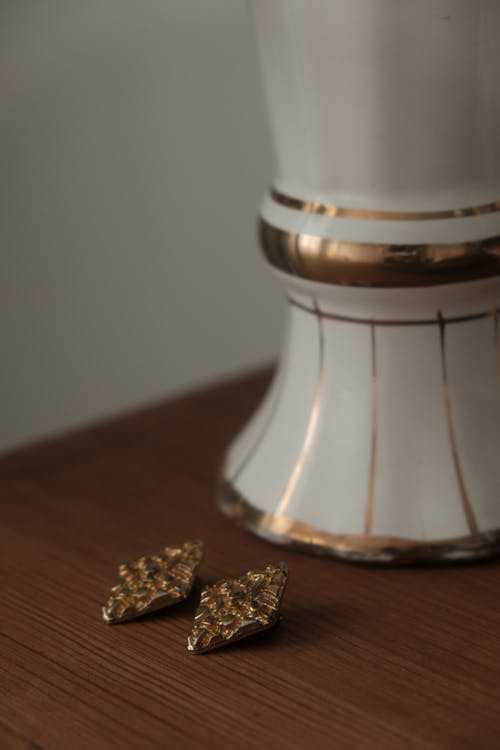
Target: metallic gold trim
[[353, 547], [327, 209], [387, 321], [373, 441], [311, 426], [466, 503], [368, 264]]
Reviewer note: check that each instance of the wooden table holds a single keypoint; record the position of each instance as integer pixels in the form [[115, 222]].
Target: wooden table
[[365, 657]]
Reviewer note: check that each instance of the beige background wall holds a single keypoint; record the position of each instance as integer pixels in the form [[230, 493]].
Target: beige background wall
[[134, 151]]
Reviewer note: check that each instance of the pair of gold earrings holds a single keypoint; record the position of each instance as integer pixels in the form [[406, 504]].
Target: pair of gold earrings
[[230, 609]]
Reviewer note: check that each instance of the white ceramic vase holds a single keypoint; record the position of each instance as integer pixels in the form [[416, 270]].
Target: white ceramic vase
[[379, 438]]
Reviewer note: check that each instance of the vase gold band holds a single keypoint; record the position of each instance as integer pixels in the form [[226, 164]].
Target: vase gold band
[[437, 320], [356, 547], [327, 209], [334, 261]]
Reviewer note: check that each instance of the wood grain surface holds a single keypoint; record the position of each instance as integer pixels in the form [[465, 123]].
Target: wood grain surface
[[365, 657]]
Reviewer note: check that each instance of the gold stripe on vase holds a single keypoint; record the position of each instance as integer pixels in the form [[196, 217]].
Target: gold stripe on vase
[[470, 516], [369, 264], [330, 210], [434, 321], [373, 436], [249, 455], [287, 494]]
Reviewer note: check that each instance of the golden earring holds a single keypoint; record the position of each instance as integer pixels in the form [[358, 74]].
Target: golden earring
[[235, 608], [152, 582]]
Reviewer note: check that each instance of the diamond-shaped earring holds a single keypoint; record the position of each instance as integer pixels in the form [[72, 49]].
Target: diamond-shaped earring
[[235, 608], [152, 582]]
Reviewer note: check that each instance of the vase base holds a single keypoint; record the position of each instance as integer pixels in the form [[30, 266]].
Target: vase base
[[357, 548]]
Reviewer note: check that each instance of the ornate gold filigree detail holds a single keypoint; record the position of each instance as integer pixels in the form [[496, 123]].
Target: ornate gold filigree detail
[[151, 582], [234, 608]]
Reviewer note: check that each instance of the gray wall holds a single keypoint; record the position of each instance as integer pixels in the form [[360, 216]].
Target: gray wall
[[134, 150]]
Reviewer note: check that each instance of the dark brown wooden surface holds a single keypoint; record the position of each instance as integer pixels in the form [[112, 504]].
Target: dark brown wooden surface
[[365, 657]]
